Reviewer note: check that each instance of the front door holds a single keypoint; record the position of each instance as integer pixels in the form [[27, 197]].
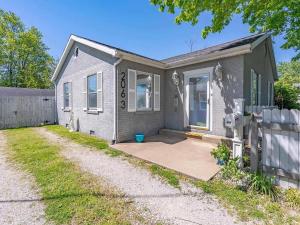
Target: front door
[[197, 99]]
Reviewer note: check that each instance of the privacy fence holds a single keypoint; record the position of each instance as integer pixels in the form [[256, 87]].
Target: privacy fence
[[20, 107], [281, 145]]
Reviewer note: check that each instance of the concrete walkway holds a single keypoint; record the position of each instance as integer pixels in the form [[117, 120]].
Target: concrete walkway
[[187, 156]]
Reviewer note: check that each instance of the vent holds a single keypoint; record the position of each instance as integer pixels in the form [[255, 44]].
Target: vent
[[92, 132], [76, 52]]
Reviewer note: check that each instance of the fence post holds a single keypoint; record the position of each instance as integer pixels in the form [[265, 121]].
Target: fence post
[[253, 138]]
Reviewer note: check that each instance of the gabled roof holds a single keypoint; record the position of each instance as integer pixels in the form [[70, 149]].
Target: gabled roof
[[232, 48], [216, 48]]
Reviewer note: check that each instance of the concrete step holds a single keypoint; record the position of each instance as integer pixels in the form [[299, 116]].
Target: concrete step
[[197, 135]]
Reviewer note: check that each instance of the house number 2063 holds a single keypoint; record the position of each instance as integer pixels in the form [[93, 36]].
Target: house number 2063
[[123, 93]]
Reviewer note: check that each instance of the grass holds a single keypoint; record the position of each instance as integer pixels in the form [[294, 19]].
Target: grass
[[70, 196], [249, 205], [166, 174], [246, 205], [84, 139], [95, 142]]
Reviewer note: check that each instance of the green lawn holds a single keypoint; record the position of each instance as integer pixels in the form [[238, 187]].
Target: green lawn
[[70, 196]]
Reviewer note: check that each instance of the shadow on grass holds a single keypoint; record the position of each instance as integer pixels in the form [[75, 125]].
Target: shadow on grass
[[118, 196]]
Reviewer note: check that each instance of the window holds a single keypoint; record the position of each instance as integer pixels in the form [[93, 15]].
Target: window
[[143, 91], [270, 93], [92, 91], [67, 93], [254, 88]]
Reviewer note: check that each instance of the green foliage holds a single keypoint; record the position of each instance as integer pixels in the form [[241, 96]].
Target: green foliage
[[70, 196], [263, 184], [222, 152], [231, 170], [276, 16], [24, 60], [292, 197], [166, 174], [289, 71], [286, 95]]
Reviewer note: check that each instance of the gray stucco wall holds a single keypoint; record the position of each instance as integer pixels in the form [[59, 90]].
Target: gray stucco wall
[[223, 93], [260, 61], [89, 61], [147, 122]]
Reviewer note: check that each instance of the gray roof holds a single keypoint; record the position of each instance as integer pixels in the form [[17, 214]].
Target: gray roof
[[216, 48], [11, 91]]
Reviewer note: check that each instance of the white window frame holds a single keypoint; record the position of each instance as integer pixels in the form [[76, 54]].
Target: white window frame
[[68, 95], [254, 94], [156, 96], [87, 92]]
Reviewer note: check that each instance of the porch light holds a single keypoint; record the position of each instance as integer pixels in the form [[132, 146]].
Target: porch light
[[219, 71], [175, 78]]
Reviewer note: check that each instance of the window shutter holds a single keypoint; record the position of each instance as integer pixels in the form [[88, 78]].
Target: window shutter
[[156, 92], [70, 96], [99, 91], [84, 94], [272, 94], [259, 89], [269, 93], [63, 97], [131, 90], [251, 89]]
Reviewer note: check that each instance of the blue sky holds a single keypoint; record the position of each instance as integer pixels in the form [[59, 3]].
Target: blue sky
[[134, 25]]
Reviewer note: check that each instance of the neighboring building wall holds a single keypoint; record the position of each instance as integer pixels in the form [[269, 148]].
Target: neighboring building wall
[[88, 62], [147, 122], [260, 61], [224, 92]]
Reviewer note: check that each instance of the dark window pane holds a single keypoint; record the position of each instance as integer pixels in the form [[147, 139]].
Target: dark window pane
[[92, 83], [66, 101], [92, 100]]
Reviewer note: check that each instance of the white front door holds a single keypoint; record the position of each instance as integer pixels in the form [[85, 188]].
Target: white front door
[[197, 98]]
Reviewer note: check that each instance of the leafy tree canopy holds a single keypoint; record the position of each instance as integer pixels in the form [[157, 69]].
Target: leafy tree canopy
[[276, 16], [286, 93], [24, 60]]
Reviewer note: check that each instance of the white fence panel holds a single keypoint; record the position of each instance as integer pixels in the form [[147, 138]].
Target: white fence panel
[[26, 111], [281, 151]]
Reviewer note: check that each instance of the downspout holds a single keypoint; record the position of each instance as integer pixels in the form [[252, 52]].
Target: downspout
[[115, 88]]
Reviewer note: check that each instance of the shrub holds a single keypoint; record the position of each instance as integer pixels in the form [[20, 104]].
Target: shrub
[[263, 184], [286, 95], [222, 152]]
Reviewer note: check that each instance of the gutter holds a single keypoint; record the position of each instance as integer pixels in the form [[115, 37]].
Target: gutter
[[115, 88]]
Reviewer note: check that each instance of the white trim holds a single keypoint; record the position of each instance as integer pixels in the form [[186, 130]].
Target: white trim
[[195, 73], [259, 89], [156, 76], [100, 91], [259, 40], [131, 90]]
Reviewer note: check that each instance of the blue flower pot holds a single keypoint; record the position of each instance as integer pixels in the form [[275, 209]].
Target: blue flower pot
[[139, 138]]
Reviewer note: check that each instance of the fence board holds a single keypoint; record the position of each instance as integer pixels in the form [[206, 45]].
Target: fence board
[[281, 145], [26, 111]]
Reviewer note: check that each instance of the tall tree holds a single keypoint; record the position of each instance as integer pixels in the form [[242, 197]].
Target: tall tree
[[24, 60], [287, 87], [276, 16]]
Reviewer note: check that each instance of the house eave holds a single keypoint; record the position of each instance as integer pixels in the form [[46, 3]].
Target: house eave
[[211, 56]]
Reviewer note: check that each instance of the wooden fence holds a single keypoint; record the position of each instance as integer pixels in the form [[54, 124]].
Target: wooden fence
[[281, 146], [26, 111]]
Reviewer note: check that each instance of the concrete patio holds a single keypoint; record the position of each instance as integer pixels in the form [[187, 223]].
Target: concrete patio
[[187, 156]]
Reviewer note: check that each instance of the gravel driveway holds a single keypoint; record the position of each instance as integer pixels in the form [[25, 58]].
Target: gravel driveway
[[151, 195], [19, 199]]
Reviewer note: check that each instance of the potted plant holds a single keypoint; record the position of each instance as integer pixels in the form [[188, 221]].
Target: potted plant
[[221, 154]]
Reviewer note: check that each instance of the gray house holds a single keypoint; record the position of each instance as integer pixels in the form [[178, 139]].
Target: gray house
[[114, 93]]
